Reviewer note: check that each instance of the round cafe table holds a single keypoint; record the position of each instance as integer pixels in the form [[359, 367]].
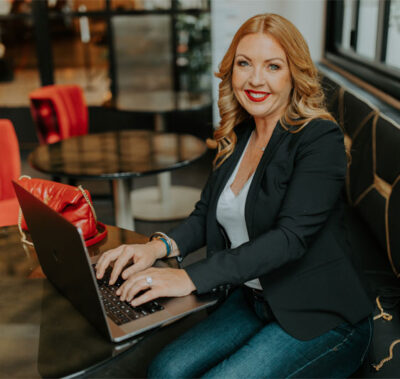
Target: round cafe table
[[179, 200], [120, 156]]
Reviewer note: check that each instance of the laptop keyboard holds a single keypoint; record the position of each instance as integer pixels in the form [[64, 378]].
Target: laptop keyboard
[[119, 311]]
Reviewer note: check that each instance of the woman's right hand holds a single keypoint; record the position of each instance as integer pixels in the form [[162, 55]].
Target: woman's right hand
[[142, 256]]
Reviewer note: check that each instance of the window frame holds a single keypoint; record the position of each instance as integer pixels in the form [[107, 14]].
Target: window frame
[[375, 72]]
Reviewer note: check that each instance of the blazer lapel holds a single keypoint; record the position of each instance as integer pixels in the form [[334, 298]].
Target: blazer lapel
[[276, 139], [226, 169]]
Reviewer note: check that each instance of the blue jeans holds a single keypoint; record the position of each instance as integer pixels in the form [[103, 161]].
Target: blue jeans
[[233, 342]]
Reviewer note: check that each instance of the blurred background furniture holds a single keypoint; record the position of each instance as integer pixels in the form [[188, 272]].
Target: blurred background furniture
[[10, 169], [178, 82], [119, 156], [109, 48], [59, 112], [373, 214]]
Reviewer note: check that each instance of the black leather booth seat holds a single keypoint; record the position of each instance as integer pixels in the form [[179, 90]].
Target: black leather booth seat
[[373, 214]]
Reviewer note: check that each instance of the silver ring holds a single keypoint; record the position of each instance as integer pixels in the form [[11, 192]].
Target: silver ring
[[149, 280]]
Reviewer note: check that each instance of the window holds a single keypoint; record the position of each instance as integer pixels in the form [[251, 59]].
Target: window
[[363, 37], [393, 40]]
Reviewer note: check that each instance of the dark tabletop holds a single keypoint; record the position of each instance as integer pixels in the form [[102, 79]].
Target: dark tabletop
[[18, 260], [120, 154], [43, 335]]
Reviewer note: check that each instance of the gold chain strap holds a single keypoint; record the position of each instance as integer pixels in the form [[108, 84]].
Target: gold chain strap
[[388, 317], [384, 360], [383, 314], [21, 232], [24, 176], [88, 201]]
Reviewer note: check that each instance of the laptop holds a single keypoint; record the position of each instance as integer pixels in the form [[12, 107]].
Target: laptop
[[65, 261]]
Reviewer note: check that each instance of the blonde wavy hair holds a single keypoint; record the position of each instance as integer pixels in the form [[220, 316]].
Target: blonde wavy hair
[[307, 100]]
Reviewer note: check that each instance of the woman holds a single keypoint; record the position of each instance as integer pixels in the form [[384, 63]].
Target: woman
[[271, 217]]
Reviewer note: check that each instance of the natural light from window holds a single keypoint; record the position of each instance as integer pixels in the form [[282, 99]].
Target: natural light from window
[[393, 46], [367, 28]]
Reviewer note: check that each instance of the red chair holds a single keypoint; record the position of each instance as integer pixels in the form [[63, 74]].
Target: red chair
[[10, 169], [59, 112]]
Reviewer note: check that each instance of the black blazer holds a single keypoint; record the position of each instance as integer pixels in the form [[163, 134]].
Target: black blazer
[[297, 247]]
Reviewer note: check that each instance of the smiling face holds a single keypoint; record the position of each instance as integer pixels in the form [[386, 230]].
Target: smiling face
[[261, 77]]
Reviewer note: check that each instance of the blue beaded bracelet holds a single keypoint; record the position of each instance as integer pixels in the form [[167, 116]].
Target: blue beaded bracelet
[[166, 245], [163, 237]]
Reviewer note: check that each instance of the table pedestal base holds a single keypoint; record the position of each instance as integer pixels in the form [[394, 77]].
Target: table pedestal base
[[122, 204], [148, 206]]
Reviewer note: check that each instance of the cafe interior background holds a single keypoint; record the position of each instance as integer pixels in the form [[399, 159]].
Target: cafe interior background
[[133, 59], [125, 54]]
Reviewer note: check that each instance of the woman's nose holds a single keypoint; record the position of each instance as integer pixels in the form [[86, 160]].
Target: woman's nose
[[257, 78]]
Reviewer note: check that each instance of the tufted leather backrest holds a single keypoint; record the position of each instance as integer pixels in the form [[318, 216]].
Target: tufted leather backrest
[[373, 177]]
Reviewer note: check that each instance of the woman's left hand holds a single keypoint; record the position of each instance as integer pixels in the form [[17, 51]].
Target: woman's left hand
[[159, 282]]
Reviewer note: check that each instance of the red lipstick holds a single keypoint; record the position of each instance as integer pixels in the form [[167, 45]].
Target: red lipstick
[[256, 96]]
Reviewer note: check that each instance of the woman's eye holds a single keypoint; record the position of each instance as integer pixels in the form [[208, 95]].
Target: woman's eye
[[242, 63], [273, 67]]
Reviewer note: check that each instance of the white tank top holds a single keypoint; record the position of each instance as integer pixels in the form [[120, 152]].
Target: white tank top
[[230, 214]]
